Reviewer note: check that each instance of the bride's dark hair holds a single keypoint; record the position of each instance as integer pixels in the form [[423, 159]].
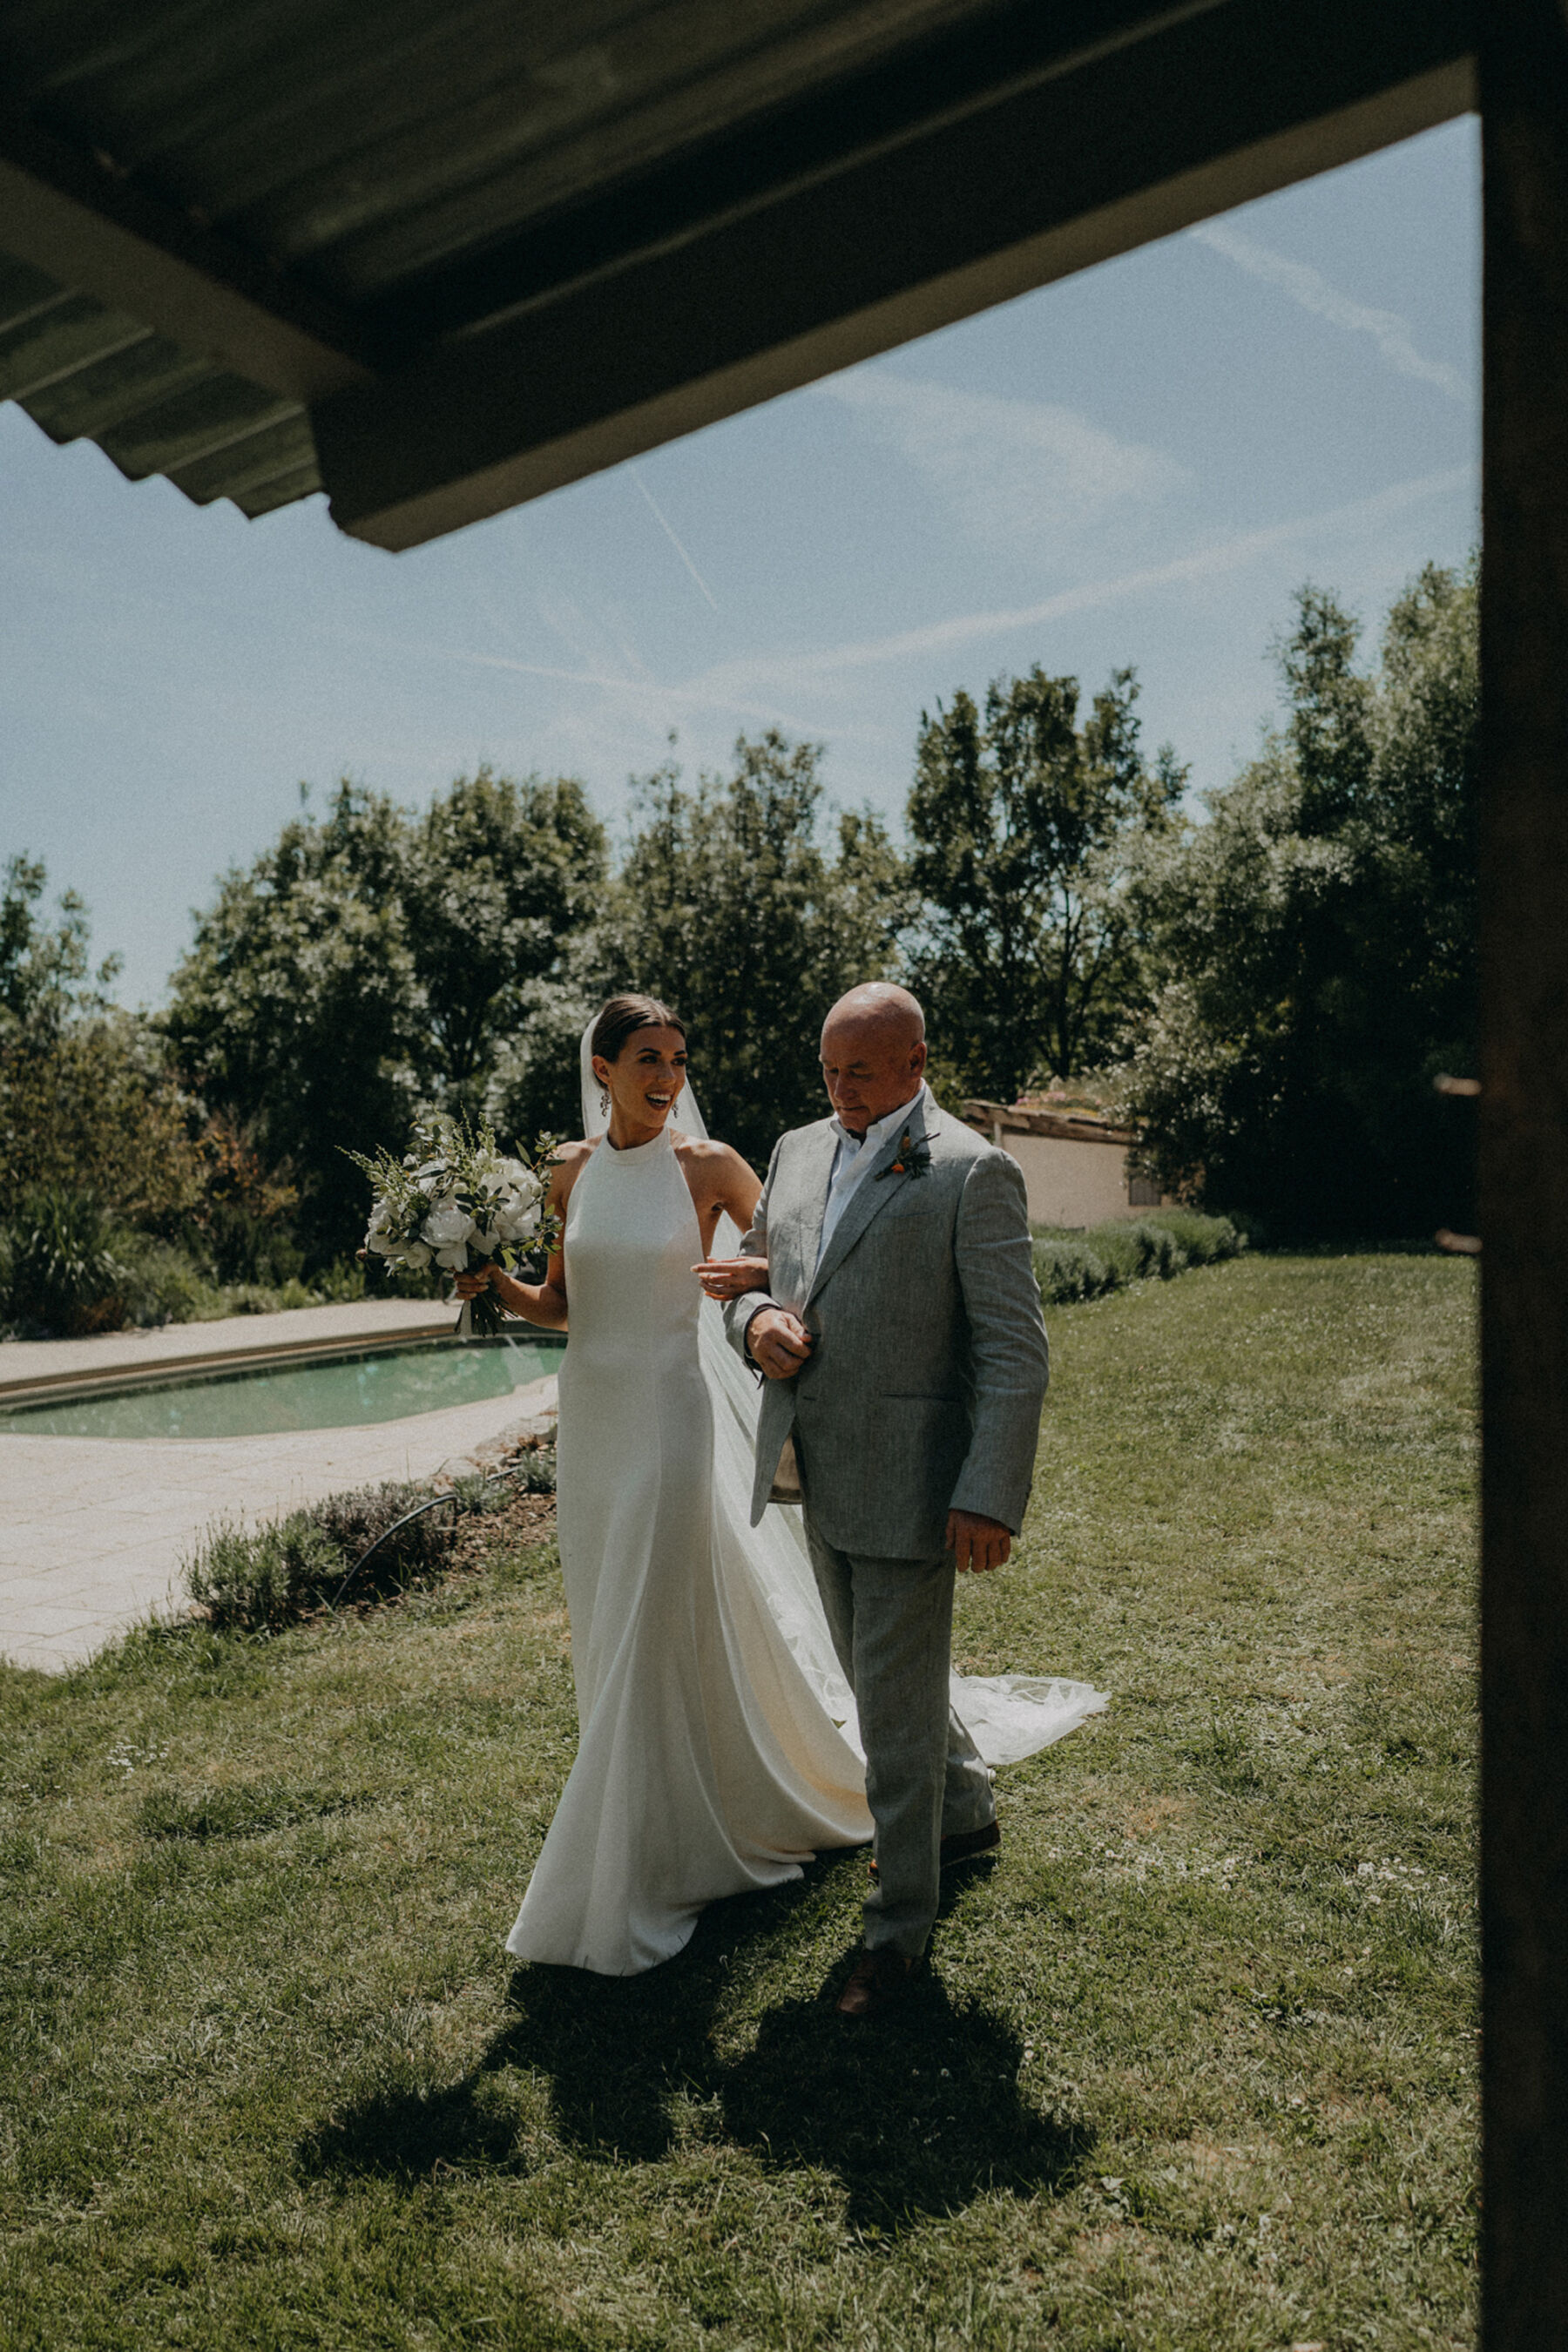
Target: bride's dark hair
[[622, 1016]]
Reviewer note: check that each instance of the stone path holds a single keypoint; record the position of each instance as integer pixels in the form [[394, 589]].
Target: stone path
[[93, 1530]]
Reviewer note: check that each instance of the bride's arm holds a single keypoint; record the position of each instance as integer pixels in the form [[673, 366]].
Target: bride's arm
[[735, 1194], [537, 1302]]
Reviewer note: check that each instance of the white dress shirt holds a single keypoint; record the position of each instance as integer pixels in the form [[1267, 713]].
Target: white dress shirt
[[854, 1159]]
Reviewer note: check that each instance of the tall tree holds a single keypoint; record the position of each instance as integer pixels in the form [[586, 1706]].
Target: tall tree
[[88, 1102], [1022, 823], [733, 910], [44, 965], [498, 875], [298, 1011], [374, 959], [1314, 939]]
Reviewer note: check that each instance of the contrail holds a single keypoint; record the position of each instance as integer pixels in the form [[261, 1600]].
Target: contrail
[[664, 523], [1312, 289], [694, 698], [1225, 555]]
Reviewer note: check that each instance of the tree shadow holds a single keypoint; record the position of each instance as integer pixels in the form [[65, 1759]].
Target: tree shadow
[[917, 2111]]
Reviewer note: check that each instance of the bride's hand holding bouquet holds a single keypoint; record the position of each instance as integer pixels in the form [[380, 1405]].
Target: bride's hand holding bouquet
[[456, 1200]]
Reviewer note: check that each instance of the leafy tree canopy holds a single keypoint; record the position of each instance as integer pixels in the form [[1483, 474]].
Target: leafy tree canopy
[[1023, 822], [44, 965], [87, 1103], [372, 960], [1313, 942], [733, 909]]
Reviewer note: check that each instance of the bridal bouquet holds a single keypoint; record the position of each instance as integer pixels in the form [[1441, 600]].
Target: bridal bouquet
[[455, 1200]]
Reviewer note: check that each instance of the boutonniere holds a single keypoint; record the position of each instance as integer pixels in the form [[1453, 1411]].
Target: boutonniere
[[913, 1159]]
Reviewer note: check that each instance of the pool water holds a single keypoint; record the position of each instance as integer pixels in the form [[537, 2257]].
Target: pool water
[[343, 1393]]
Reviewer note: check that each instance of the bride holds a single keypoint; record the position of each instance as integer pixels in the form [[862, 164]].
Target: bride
[[717, 1748]]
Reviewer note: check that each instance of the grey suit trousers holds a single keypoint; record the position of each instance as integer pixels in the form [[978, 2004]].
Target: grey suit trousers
[[892, 1622]]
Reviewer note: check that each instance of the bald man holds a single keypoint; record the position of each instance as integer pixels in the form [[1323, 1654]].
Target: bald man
[[904, 1358]]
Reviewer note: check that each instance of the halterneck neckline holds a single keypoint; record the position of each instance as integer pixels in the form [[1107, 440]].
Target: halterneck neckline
[[640, 1155]]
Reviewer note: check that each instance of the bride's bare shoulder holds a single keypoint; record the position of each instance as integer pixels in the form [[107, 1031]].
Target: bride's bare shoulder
[[706, 1153]]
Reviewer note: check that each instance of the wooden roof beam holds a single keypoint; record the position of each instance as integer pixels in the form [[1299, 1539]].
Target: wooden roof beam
[[956, 209]]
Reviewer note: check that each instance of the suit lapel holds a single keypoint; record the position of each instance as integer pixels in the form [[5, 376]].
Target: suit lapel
[[869, 1198], [815, 1177]]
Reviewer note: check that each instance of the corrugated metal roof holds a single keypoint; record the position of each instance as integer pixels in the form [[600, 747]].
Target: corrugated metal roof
[[454, 253], [82, 371], [359, 152]]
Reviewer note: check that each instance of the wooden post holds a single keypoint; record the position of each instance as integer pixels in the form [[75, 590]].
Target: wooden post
[[1525, 1177]]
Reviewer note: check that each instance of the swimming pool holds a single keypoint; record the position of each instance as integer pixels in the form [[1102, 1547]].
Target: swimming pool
[[344, 1393]]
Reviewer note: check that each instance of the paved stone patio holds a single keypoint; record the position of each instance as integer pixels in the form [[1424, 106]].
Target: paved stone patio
[[93, 1531]]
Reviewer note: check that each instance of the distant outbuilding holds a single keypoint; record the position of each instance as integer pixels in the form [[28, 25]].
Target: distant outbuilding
[[1078, 1164]]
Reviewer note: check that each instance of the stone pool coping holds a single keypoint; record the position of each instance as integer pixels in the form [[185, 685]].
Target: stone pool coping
[[31, 1369]]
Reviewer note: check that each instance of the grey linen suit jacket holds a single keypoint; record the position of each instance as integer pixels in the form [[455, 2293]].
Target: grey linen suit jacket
[[923, 1390]]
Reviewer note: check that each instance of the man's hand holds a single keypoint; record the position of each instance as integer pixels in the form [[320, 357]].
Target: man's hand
[[977, 1544], [778, 1341]]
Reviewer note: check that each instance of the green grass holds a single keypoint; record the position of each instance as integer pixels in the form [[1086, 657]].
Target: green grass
[[1193, 2065]]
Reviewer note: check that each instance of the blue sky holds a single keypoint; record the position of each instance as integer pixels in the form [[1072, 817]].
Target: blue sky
[[1136, 466]]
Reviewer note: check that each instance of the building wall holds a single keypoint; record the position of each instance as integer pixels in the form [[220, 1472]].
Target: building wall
[[1072, 1182]]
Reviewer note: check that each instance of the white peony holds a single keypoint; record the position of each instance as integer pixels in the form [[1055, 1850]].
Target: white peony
[[447, 1226]]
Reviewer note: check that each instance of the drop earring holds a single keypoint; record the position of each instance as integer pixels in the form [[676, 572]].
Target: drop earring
[[604, 1097]]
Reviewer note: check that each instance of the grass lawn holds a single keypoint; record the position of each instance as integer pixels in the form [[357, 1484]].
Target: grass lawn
[[1195, 2063]]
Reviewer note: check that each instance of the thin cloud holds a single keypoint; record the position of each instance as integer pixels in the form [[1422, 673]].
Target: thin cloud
[[699, 695], [1310, 288], [1204, 562], [1012, 472]]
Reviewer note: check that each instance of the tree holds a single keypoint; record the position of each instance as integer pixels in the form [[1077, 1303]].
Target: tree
[[298, 1011], [1314, 939], [373, 960], [731, 910], [43, 966], [534, 1083], [1022, 825], [88, 1102], [498, 875]]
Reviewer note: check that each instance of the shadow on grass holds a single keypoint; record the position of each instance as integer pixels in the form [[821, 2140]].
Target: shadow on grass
[[916, 2112], [415, 2134]]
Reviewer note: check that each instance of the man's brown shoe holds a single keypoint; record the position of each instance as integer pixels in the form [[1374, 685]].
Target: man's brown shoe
[[964, 1846], [876, 1980]]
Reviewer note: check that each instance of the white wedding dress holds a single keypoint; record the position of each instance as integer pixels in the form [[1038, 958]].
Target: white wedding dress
[[717, 1748]]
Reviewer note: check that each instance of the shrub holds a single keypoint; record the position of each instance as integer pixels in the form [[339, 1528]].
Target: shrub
[[1206, 1240], [255, 1579], [64, 1265], [1073, 1266], [264, 1576], [1066, 1269], [162, 1285]]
